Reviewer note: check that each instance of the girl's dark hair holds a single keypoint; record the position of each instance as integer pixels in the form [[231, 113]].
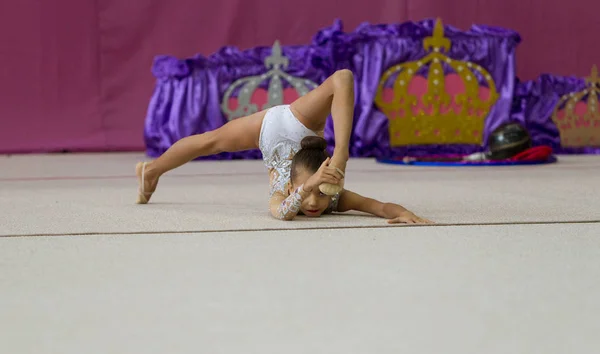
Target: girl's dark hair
[[311, 155]]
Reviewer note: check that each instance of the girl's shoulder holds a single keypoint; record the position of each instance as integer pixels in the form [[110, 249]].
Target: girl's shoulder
[[333, 206]]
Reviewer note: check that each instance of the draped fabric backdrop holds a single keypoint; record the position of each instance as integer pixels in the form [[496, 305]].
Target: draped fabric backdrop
[[75, 74]]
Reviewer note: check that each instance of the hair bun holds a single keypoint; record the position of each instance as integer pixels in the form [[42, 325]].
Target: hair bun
[[313, 143]]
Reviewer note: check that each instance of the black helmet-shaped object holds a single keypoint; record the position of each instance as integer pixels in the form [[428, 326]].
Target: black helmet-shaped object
[[508, 140]]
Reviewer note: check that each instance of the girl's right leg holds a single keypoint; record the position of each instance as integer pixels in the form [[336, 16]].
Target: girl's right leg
[[335, 97], [237, 135]]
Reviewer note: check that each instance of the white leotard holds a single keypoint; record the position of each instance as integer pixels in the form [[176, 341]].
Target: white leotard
[[280, 137]]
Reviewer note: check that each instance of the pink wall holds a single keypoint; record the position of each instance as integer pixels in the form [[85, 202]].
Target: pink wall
[[75, 74]]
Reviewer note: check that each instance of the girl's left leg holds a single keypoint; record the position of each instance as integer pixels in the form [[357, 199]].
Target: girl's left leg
[[237, 135]]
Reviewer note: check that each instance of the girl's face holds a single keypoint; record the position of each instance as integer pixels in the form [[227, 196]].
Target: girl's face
[[316, 203]]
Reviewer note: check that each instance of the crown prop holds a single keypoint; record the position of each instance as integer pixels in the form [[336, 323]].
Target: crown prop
[[578, 122], [436, 117], [247, 86]]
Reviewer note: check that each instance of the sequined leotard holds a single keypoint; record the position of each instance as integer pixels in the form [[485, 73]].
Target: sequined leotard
[[280, 137]]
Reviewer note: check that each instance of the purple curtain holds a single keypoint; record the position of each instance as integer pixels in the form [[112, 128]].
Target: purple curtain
[[534, 103], [188, 93], [371, 49]]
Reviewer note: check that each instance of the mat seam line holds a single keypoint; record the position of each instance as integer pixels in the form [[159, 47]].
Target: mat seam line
[[297, 229]]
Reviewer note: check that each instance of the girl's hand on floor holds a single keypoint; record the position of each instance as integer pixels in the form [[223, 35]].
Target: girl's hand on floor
[[408, 218]]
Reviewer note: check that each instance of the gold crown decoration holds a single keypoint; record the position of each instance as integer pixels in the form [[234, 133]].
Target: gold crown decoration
[[578, 122], [436, 117], [247, 86]]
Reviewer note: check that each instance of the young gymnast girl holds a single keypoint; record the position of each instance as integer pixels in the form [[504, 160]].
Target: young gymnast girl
[[303, 178]]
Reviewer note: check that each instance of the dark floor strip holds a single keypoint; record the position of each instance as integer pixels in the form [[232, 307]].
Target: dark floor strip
[[303, 228]]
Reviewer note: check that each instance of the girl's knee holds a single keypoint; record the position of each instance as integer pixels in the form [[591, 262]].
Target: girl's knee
[[343, 77]]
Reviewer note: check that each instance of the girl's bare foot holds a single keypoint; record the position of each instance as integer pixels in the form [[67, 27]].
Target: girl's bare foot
[[147, 182], [338, 161]]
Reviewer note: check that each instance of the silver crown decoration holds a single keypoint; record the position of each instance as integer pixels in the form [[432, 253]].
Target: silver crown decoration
[[277, 63]]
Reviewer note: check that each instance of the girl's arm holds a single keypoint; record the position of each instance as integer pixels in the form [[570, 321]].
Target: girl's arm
[[394, 213], [286, 208]]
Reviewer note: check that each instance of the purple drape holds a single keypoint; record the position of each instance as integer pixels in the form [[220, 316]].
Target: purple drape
[[371, 49], [188, 93], [534, 103]]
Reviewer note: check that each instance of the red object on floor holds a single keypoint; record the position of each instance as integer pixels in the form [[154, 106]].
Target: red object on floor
[[537, 153]]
